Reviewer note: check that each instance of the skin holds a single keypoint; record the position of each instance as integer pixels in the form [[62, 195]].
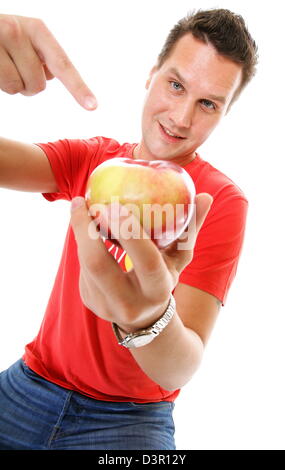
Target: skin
[[186, 109], [30, 55]]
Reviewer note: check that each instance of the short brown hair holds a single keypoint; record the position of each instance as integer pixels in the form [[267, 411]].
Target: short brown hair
[[226, 31]]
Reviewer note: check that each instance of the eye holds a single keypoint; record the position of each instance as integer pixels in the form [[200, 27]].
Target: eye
[[209, 104], [176, 85]]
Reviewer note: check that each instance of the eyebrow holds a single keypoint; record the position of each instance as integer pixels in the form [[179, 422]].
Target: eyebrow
[[173, 70]]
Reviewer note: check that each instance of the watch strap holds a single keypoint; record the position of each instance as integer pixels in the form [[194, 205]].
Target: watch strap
[[154, 329]]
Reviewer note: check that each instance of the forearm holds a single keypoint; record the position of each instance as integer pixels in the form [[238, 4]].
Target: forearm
[[25, 167], [172, 357], [11, 162]]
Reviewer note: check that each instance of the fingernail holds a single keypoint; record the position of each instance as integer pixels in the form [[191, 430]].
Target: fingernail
[[90, 102], [77, 202]]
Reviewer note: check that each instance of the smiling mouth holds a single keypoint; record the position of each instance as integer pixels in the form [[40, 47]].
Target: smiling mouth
[[169, 134]]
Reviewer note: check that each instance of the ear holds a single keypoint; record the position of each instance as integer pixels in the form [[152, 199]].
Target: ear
[[152, 72]]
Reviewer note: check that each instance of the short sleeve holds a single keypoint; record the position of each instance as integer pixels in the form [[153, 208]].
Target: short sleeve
[[218, 247], [70, 160]]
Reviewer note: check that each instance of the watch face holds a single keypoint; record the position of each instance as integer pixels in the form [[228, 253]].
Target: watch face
[[140, 340]]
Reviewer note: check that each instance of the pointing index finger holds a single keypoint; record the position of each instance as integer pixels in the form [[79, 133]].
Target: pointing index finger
[[59, 64]]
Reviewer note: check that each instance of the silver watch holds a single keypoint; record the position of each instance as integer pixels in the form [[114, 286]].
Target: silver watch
[[142, 337]]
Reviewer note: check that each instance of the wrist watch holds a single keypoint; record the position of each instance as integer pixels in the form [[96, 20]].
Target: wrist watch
[[145, 336]]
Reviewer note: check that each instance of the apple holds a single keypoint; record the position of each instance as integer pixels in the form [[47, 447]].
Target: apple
[[159, 193]]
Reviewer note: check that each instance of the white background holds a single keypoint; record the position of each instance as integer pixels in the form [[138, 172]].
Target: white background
[[236, 399]]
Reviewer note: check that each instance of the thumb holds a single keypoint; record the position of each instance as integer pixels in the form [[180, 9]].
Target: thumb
[[83, 227], [80, 217], [77, 202]]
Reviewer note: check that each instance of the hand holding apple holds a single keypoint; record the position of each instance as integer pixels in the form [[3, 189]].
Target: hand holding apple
[[131, 299]]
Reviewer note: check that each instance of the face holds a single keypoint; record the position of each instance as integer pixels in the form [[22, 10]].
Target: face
[[186, 97]]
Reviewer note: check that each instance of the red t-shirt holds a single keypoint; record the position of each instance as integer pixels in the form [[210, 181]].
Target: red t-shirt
[[78, 350]]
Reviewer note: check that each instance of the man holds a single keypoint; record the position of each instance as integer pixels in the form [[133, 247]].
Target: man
[[85, 381]]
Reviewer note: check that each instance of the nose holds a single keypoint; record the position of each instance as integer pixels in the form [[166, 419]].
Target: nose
[[182, 114]]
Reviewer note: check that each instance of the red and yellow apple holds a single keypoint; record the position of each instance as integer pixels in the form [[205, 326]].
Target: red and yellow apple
[[159, 193]]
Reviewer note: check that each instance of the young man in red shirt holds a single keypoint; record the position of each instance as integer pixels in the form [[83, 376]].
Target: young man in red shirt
[[76, 386]]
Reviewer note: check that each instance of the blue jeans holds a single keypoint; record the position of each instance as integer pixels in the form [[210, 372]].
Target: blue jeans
[[36, 414]]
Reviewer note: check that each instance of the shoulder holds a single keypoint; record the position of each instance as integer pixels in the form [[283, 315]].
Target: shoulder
[[208, 178], [108, 147]]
